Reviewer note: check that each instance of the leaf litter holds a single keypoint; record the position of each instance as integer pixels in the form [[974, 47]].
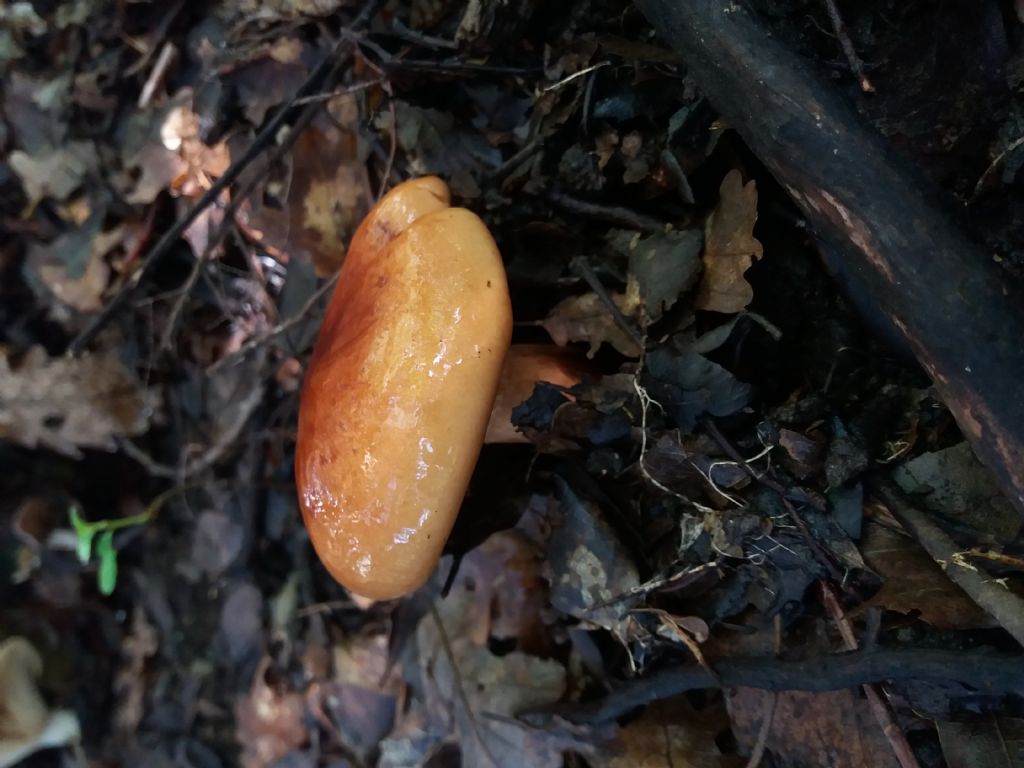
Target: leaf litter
[[693, 490]]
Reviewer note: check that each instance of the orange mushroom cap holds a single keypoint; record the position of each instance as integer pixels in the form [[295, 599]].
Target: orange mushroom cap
[[399, 389]]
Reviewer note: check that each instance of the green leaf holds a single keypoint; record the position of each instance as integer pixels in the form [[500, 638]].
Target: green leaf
[[85, 532], [108, 562]]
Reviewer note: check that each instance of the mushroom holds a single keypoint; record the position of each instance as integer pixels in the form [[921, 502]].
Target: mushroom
[[399, 389], [525, 366]]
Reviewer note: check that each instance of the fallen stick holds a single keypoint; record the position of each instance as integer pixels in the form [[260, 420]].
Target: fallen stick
[[989, 673], [892, 239]]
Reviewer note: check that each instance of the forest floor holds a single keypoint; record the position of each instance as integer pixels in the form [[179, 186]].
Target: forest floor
[[680, 561]]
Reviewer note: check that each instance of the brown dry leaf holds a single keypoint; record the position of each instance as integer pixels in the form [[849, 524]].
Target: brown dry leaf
[[270, 80], [730, 247], [66, 404], [157, 167], [471, 692], [269, 723], [915, 582], [180, 133], [587, 318], [130, 682], [671, 733], [74, 266], [24, 711], [26, 723], [328, 195], [54, 173], [815, 730]]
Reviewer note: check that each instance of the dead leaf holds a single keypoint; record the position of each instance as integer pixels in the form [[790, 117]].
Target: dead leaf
[[26, 723], [470, 691], [280, 10], [271, 80], [157, 167], [506, 593], [436, 143], [54, 173], [269, 722], [587, 318], [995, 742], [66, 403], [688, 385], [591, 570], [74, 267], [816, 730], [915, 582], [954, 484], [670, 733], [130, 681], [327, 195], [730, 247], [665, 265]]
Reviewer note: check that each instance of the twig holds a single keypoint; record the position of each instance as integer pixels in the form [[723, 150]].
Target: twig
[[611, 214], [212, 241], [282, 327], [418, 38], [330, 64], [581, 267], [872, 691], [460, 689], [168, 55], [582, 73], [211, 455], [1000, 603], [792, 494], [839, 27], [757, 754], [991, 673]]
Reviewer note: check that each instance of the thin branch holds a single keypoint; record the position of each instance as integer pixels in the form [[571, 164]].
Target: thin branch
[[872, 691], [611, 214], [839, 27], [211, 455], [282, 327], [994, 598], [326, 69]]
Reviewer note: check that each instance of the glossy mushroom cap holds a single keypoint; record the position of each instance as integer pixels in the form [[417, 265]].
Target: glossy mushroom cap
[[399, 389]]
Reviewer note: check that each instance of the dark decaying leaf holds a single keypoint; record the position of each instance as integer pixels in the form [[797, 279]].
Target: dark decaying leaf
[[592, 573], [953, 483], [475, 694], [668, 734], [437, 143], [835, 729], [988, 742], [665, 265], [688, 386]]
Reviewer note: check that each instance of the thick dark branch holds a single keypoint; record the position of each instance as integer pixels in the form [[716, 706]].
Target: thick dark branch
[[892, 239], [989, 673]]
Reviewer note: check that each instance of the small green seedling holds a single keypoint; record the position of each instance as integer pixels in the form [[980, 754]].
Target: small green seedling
[[87, 532]]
